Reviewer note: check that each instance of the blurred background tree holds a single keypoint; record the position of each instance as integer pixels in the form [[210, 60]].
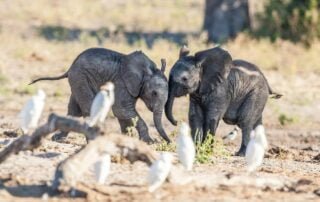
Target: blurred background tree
[[223, 19], [295, 20]]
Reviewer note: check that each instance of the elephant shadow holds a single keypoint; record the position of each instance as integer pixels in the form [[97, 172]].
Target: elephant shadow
[[60, 33]]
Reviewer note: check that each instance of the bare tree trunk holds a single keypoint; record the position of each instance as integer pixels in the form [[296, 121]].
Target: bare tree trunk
[[225, 18]]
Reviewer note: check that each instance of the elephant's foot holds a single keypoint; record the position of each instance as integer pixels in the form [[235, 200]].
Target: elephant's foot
[[147, 139], [59, 136], [241, 152]]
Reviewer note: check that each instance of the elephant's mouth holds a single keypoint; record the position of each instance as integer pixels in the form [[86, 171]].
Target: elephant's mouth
[[181, 91]]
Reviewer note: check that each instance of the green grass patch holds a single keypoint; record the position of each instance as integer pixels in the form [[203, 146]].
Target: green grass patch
[[285, 119], [164, 146], [132, 131], [211, 147], [27, 89]]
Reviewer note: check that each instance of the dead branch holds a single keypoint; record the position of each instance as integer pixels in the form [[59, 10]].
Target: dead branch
[[70, 171], [55, 122]]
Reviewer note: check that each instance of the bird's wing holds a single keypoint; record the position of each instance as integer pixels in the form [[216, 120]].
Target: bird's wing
[[95, 109], [102, 168], [157, 171], [186, 151], [37, 111], [97, 104], [105, 108], [254, 154], [27, 108]]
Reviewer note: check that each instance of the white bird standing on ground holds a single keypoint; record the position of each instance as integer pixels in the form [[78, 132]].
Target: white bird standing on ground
[[102, 168], [261, 136], [159, 171], [256, 148], [185, 147], [101, 104], [232, 135], [31, 112]]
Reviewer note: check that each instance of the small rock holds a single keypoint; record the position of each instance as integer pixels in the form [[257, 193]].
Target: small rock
[[317, 158], [317, 192]]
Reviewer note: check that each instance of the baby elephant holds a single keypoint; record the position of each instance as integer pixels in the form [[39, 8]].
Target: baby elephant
[[235, 91], [134, 76]]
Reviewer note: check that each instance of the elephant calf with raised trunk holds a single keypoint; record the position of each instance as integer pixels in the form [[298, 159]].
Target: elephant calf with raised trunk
[[134, 76], [220, 88]]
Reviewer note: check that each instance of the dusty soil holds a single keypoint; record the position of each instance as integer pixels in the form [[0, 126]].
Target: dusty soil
[[290, 172], [291, 169]]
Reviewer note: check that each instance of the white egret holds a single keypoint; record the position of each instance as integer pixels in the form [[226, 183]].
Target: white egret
[[261, 136], [159, 171], [255, 149], [31, 112], [101, 104], [185, 147], [102, 168], [232, 135]]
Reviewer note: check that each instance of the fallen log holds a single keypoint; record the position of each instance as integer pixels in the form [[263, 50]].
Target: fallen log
[[54, 123], [71, 169]]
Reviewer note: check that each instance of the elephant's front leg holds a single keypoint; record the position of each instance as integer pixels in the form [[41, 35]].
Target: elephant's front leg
[[196, 120], [140, 125], [212, 115], [124, 109]]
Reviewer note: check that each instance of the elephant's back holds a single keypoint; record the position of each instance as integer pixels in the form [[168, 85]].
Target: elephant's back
[[244, 77], [97, 64], [247, 72], [98, 56]]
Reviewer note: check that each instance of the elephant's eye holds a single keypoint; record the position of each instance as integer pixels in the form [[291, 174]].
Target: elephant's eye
[[154, 94], [184, 79]]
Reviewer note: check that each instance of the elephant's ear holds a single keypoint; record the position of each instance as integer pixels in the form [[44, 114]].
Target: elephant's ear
[[215, 66], [134, 68]]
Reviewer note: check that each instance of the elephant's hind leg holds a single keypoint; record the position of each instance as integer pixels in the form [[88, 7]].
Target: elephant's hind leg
[[73, 110], [250, 115], [73, 107]]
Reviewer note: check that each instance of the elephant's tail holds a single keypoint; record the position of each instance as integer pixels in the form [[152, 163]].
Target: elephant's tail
[[65, 75], [274, 94]]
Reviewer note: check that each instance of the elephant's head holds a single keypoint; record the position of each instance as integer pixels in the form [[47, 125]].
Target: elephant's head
[[144, 80], [201, 72], [184, 78]]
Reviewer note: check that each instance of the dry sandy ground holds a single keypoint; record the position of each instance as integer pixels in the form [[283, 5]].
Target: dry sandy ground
[[290, 172]]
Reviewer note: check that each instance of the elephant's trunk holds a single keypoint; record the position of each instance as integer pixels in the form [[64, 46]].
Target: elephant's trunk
[[157, 114], [169, 105]]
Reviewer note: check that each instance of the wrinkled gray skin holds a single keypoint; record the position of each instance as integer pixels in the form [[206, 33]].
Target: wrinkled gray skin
[[134, 76], [235, 91]]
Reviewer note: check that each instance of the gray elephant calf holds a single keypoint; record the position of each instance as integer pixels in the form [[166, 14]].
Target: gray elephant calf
[[134, 76], [235, 91]]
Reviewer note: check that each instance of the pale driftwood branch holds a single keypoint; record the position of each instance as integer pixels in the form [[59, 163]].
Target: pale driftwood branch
[[55, 122], [70, 171]]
